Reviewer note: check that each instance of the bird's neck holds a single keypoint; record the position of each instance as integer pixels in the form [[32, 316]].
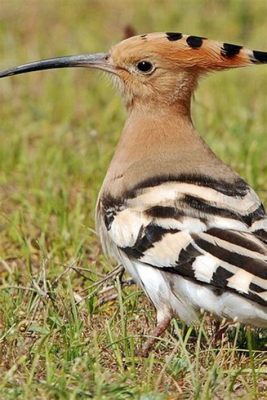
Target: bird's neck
[[155, 142], [151, 132]]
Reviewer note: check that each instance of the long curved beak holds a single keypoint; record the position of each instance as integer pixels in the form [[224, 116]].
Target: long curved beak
[[97, 60]]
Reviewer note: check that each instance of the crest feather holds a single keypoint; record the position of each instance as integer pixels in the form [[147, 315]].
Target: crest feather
[[196, 52]]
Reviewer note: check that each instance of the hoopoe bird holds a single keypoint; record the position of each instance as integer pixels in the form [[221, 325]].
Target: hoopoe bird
[[187, 228]]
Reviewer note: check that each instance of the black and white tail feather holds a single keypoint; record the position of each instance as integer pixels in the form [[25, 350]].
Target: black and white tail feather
[[192, 243]]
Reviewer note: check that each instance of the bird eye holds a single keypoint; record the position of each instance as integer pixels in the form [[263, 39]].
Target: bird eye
[[145, 67]]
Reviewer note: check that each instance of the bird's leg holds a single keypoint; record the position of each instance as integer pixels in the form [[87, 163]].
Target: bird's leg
[[163, 321]]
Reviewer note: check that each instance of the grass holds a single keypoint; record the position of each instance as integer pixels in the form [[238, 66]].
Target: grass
[[58, 131]]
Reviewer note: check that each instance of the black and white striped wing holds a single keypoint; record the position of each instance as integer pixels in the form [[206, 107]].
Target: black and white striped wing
[[211, 232]]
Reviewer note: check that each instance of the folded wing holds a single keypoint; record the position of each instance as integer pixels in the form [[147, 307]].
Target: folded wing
[[212, 233]]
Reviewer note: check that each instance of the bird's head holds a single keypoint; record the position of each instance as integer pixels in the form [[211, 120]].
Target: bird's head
[[158, 67]]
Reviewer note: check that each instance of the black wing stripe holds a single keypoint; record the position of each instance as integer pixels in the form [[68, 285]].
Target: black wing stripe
[[249, 264], [220, 277], [147, 239], [256, 215], [256, 288], [164, 212], [205, 207], [238, 188], [238, 239], [183, 270], [261, 234], [254, 297], [188, 254]]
